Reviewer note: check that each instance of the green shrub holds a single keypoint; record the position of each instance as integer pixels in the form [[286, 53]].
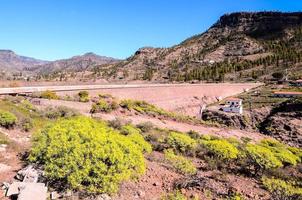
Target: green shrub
[[83, 96], [233, 141], [236, 196], [105, 96], [135, 135], [145, 126], [181, 142], [116, 123], [28, 105], [4, 139], [7, 119], [281, 151], [180, 163], [176, 195], [67, 97], [208, 137], [221, 149], [261, 157], [281, 189], [127, 103], [84, 154], [49, 95], [58, 112], [139, 140], [103, 106], [297, 152], [129, 129], [193, 134], [26, 124]]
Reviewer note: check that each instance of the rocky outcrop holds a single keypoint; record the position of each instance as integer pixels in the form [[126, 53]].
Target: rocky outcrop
[[282, 122], [285, 123], [259, 24], [227, 119], [286, 127]]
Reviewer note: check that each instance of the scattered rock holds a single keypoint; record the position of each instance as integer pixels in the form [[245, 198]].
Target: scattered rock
[[26, 191], [5, 186], [55, 195], [141, 193], [156, 184], [28, 174]]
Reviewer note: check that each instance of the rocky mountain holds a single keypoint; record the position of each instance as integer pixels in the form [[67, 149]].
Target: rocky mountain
[[74, 64], [11, 62], [231, 49]]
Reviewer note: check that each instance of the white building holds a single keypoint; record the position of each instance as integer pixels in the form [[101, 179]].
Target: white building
[[233, 105]]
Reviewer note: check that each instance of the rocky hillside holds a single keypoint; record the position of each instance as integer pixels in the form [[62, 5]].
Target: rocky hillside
[[238, 46], [284, 122], [11, 62]]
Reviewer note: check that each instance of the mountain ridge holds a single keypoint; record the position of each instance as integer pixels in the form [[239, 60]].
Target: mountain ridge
[[236, 38], [12, 63]]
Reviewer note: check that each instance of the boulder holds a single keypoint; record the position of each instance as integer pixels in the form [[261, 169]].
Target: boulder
[[29, 174]]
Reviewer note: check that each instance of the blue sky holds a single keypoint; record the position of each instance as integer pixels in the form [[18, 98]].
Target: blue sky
[[55, 29]]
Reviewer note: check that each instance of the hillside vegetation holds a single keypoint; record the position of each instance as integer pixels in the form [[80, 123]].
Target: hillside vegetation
[[239, 47]]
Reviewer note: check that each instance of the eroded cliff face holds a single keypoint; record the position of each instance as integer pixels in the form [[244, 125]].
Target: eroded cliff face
[[259, 24]]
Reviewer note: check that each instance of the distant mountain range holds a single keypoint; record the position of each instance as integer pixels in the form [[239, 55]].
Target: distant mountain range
[[10, 63], [74, 64], [239, 46]]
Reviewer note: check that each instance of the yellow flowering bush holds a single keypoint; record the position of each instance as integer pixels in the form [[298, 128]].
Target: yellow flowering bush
[[85, 154]]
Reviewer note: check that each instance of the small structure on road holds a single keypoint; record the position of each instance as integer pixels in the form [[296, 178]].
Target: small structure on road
[[233, 105], [287, 94]]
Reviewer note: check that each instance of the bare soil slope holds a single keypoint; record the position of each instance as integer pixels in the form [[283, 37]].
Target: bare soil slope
[[185, 99]]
